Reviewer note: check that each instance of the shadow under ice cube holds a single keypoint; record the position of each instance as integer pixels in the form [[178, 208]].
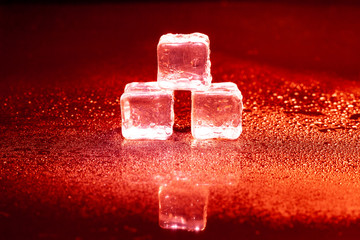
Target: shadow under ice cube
[[147, 111], [217, 112], [183, 205], [184, 61]]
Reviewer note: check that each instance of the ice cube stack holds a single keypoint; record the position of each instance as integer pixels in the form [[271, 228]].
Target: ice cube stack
[[147, 108]]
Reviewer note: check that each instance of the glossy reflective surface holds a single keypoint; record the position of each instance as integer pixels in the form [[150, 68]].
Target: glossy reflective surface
[[183, 205], [67, 172]]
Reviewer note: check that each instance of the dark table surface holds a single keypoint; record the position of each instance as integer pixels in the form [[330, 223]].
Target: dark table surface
[[66, 172]]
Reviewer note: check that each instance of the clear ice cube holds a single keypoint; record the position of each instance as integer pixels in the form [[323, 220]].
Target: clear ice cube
[[217, 112], [184, 61], [183, 205], [147, 111]]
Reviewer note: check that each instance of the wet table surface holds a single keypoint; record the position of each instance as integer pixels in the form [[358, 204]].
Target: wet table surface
[[66, 172]]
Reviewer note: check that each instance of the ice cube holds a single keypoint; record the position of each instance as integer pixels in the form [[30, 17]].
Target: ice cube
[[184, 61], [216, 112], [147, 111], [183, 205]]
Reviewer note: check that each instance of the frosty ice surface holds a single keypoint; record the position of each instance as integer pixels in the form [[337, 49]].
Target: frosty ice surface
[[216, 112], [184, 61], [147, 111], [183, 205]]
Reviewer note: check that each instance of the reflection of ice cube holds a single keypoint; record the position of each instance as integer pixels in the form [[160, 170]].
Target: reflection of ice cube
[[183, 205], [216, 112], [147, 111], [184, 61]]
